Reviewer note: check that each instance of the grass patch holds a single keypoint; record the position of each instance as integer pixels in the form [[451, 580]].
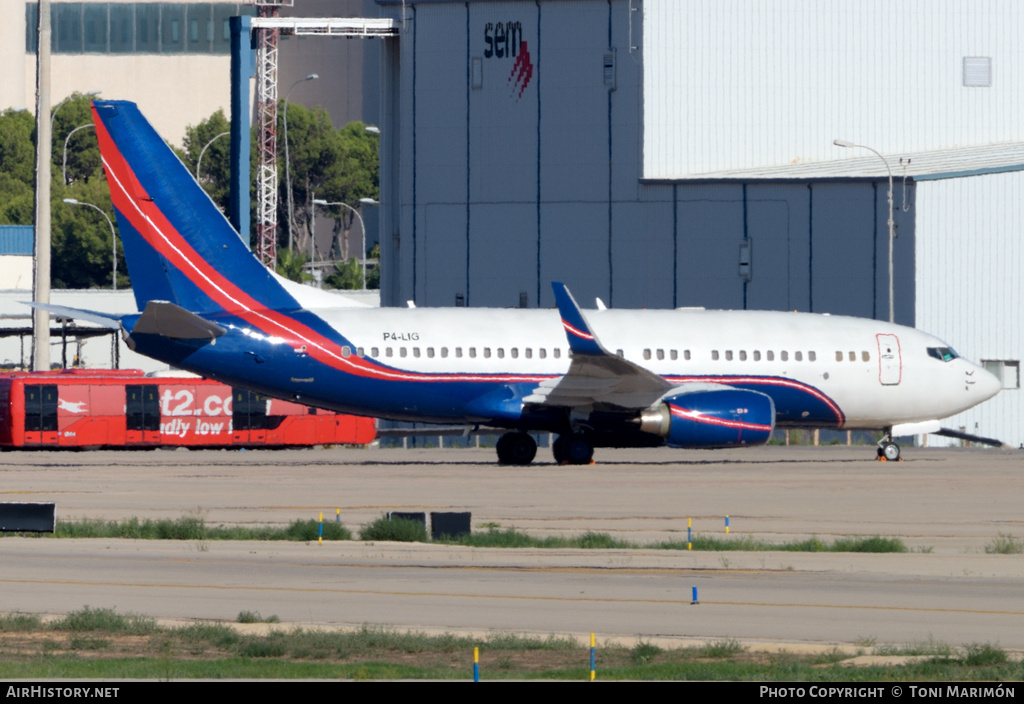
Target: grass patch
[[20, 623], [105, 620], [1005, 544], [87, 644], [77, 642], [929, 648], [873, 544], [511, 538], [643, 653], [983, 655], [194, 528], [747, 543], [184, 528], [254, 617], [720, 649], [402, 530]]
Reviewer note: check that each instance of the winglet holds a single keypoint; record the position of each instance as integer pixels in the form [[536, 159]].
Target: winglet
[[581, 338]]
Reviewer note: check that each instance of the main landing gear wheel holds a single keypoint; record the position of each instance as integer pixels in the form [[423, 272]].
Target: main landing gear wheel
[[572, 449], [516, 448]]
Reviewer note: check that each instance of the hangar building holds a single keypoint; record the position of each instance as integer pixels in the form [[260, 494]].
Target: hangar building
[[667, 153]]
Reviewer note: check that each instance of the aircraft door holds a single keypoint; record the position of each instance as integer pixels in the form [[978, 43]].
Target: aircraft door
[[890, 363]]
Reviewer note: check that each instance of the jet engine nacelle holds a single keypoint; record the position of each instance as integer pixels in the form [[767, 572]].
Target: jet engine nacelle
[[712, 419]]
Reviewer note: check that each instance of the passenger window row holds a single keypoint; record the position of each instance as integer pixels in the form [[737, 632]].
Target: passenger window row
[[767, 355], [557, 353], [459, 352], [660, 354], [865, 356]]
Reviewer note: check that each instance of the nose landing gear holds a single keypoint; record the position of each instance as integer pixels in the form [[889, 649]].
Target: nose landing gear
[[888, 451]]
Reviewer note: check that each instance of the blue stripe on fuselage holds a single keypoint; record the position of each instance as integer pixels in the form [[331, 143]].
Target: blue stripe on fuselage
[[247, 357]]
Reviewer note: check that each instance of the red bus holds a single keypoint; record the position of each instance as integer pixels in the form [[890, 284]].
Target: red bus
[[125, 408]]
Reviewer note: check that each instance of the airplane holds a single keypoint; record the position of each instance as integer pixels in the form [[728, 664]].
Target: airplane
[[684, 378]]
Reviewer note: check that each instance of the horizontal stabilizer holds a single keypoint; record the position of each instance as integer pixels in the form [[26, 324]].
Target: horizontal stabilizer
[[950, 433], [166, 319], [106, 320]]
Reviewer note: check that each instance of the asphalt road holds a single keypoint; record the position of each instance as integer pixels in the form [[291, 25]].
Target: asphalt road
[[947, 506]]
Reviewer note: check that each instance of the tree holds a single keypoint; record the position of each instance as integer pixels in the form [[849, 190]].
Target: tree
[[332, 165], [83, 149], [349, 274], [291, 265], [215, 174], [17, 167], [17, 148], [80, 236]]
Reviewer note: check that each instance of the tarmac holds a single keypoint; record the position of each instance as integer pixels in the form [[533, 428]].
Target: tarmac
[[948, 506]]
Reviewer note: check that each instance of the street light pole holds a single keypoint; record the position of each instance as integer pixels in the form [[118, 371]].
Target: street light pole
[[892, 228], [287, 160], [64, 166], [53, 115], [113, 238], [368, 201], [362, 227], [199, 161]]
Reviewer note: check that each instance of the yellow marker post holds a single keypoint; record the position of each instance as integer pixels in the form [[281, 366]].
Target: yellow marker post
[[476, 664], [320, 537], [726, 524], [689, 533], [593, 659]]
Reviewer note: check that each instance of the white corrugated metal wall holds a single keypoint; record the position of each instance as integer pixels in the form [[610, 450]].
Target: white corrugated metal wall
[[969, 286], [772, 82]]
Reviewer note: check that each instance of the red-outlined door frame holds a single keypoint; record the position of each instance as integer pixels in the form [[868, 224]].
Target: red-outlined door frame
[[890, 361]]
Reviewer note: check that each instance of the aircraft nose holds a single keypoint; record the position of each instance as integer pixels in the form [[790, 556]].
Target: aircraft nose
[[986, 383]]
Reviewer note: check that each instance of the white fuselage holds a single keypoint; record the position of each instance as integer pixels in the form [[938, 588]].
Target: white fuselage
[[876, 373]]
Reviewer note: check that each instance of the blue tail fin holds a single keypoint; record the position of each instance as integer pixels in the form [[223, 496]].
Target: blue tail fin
[[178, 245]]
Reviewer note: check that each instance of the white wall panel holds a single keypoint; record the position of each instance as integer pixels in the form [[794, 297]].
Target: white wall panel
[[732, 84], [969, 289]]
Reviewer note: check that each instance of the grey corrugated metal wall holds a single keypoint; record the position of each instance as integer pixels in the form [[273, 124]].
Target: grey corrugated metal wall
[[503, 188]]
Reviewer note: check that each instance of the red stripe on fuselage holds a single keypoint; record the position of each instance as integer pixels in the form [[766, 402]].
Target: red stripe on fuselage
[[134, 203]]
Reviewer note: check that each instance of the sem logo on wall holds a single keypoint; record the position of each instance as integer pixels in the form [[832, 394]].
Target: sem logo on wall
[[504, 40]]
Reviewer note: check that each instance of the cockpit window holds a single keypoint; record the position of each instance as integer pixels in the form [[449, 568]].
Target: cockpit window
[[943, 354]]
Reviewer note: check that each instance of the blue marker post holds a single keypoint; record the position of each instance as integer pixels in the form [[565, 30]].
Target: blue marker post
[[694, 602], [689, 533], [320, 537], [476, 664], [593, 659], [726, 524]]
